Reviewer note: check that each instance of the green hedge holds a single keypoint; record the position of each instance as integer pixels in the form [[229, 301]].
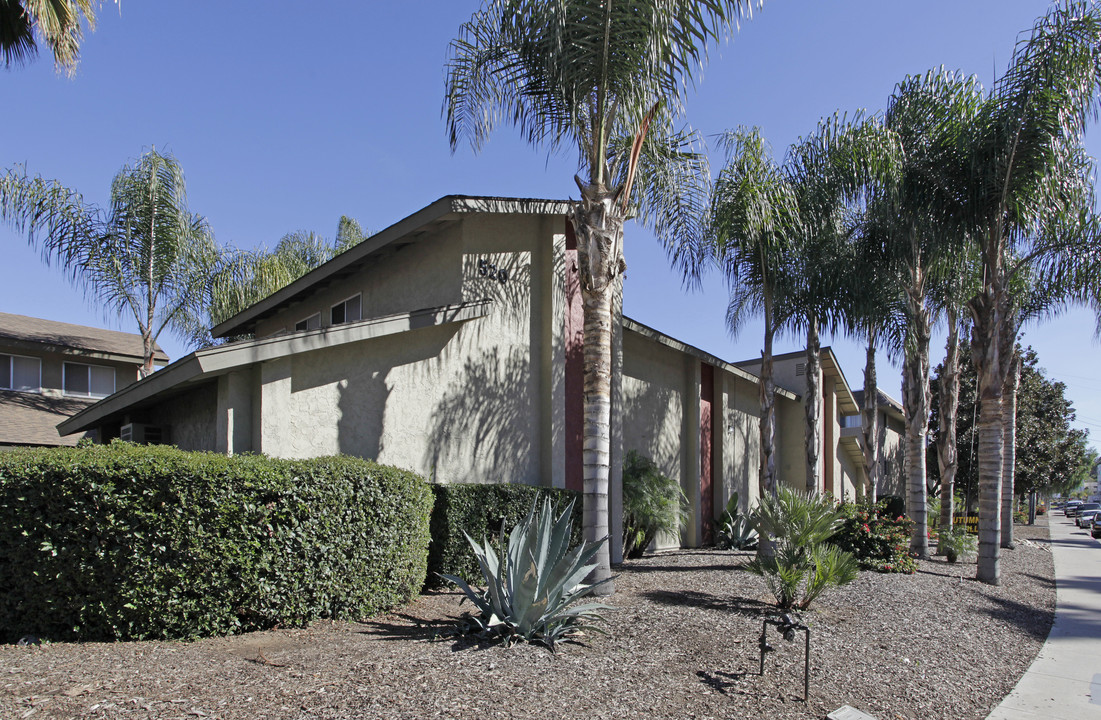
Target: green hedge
[[132, 542], [482, 510]]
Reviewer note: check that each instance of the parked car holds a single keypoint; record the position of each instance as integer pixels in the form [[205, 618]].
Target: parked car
[[1084, 514], [1095, 526], [1071, 507]]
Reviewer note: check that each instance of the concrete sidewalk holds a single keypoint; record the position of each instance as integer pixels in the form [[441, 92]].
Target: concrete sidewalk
[[1065, 679]]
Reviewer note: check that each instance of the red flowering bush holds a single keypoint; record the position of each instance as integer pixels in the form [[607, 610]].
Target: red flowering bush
[[879, 540]]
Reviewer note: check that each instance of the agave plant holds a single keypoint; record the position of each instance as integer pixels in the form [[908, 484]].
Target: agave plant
[[531, 592], [735, 531]]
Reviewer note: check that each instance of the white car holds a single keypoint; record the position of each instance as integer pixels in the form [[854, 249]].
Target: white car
[[1084, 517]]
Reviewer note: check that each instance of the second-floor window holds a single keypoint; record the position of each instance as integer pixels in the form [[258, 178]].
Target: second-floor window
[[88, 380], [347, 311], [20, 373], [313, 322]]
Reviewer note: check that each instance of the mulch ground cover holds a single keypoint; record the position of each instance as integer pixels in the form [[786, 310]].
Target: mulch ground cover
[[682, 642]]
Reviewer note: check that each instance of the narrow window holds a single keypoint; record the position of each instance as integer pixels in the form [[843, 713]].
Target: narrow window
[[347, 311], [313, 322]]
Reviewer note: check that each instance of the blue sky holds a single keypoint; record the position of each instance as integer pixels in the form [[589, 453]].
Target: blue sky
[[287, 118]]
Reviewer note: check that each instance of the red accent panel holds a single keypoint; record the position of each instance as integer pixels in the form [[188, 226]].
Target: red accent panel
[[575, 366], [707, 453]]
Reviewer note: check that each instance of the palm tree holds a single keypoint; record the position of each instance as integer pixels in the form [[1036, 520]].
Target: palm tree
[[754, 220], [605, 78], [58, 23], [911, 217], [147, 255], [242, 278], [1022, 170]]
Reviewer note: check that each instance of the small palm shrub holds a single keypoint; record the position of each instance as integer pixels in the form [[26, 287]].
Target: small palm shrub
[[531, 591], [735, 530], [802, 566], [878, 539], [957, 543], [652, 504]]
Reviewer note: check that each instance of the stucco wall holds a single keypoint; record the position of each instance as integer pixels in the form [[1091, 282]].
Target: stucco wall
[[654, 405], [461, 402], [741, 443]]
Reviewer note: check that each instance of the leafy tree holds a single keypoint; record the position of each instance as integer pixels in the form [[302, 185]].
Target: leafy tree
[[1050, 454], [606, 79], [147, 255], [58, 23]]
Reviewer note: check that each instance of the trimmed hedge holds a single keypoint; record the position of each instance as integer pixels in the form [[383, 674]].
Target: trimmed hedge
[[134, 542], [482, 510]]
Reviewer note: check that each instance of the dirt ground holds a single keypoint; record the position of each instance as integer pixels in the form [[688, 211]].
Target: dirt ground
[[682, 642]]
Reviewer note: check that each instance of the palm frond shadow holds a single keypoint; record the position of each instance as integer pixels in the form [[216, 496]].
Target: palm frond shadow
[[411, 628], [708, 601]]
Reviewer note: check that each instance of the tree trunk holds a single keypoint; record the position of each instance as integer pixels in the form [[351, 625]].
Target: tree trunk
[[813, 405], [146, 368], [946, 434], [1009, 445], [869, 423], [916, 401], [988, 317], [768, 481], [599, 228]]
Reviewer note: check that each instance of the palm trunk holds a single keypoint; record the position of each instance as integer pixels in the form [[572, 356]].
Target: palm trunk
[[869, 422], [768, 481], [813, 404], [946, 433], [1009, 446], [985, 353], [599, 229], [915, 393]]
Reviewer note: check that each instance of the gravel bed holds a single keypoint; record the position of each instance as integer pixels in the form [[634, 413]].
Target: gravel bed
[[681, 643]]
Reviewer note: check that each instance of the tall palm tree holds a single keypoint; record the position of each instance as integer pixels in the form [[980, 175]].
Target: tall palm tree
[[1023, 177], [912, 216], [147, 255], [754, 221], [606, 78], [58, 23]]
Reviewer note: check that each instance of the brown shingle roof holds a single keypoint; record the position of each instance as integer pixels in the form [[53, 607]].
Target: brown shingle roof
[[31, 419], [59, 336]]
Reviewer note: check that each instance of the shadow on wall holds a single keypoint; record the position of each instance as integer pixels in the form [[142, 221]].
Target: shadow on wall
[[648, 428], [485, 421], [362, 406]]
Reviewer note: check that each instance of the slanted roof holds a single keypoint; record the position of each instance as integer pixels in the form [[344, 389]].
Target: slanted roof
[[887, 403], [32, 334], [670, 342], [202, 365], [31, 418], [831, 368], [401, 234]]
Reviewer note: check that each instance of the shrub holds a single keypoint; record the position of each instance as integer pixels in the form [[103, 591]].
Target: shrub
[[132, 542], [957, 543], [531, 590], [482, 511], [893, 506], [652, 504], [799, 526], [735, 531], [877, 539]]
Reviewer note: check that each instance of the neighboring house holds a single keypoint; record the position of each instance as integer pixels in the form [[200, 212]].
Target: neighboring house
[[892, 431], [51, 370], [450, 344]]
